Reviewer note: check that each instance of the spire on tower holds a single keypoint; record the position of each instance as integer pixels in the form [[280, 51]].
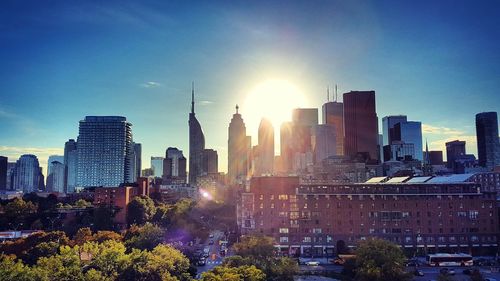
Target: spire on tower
[[336, 99], [237, 107], [328, 93], [192, 97]]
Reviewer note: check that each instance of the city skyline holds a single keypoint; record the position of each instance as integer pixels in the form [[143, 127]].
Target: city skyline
[[73, 70]]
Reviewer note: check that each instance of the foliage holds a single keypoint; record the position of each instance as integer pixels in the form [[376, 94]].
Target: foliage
[[144, 237], [476, 275], [140, 210], [103, 218], [444, 277], [258, 247], [380, 260], [17, 211], [240, 273], [106, 261], [80, 203]]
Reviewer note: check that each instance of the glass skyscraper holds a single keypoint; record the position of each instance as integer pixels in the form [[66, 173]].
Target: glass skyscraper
[[105, 151], [488, 147]]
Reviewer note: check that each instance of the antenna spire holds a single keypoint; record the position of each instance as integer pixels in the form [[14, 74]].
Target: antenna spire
[[336, 98], [328, 93], [192, 97], [237, 107]]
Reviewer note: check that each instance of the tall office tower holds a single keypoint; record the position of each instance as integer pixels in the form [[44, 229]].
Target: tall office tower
[[286, 146], [210, 164], [410, 132], [3, 172], [27, 175], [196, 144], [399, 151], [303, 119], [361, 125], [55, 179], [52, 158], [388, 123], [239, 145], [104, 151], [333, 114], [136, 161], [305, 116], [11, 167], [70, 163], [488, 147], [323, 141], [157, 166], [454, 149], [174, 166], [435, 157], [265, 149]]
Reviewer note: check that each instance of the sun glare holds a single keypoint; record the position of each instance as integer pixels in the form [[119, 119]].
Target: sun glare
[[274, 100]]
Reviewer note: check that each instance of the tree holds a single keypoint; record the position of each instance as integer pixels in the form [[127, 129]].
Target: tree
[[144, 237], [283, 269], [82, 235], [259, 247], [104, 235], [140, 210], [241, 273], [380, 260], [10, 269], [444, 277], [17, 212], [103, 217], [80, 203]]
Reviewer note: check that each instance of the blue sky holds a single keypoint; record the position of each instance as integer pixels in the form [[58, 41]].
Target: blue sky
[[436, 61]]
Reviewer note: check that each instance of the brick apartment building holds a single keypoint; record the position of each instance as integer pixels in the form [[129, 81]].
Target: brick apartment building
[[120, 197], [427, 214]]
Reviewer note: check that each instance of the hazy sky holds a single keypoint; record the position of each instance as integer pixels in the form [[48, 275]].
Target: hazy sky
[[436, 61]]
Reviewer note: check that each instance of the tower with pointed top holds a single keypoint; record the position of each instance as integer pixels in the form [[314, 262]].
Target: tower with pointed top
[[239, 145], [196, 144], [333, 114]]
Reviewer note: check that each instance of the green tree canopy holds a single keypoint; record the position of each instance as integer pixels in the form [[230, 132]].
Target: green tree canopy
[[140, 210], [258, 247], [144, 237], [380, 260], [241, 273]]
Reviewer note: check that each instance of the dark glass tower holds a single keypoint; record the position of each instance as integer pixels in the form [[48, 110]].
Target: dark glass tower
[[487, 139], [196, 144]]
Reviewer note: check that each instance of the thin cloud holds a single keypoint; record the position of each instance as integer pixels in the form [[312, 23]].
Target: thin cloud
[[429, 129], [151, 84], [42, 153], [206, 102]]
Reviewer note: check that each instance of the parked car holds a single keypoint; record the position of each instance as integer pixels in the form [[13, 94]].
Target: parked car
[[418, 272], [202, 262], [447, 271], [312, 263]]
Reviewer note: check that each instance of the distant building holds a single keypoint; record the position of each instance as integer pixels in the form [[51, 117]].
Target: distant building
[[333, 114], [70, 163], [323, 142], [52, 158], [55, 179], [148, 172], [264, 157], [11, 166], [135, 168], [105, 151], [454, 149], [239, 146], [196, 144], [27, 175], [174, 167], [488, 146], [411, 132], [361, 125], [388, 123], [157, 166], [399, 151], [3, 172], [210, 162], [286, 146], [435, 157]]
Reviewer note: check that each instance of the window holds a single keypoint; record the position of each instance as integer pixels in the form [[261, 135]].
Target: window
[[284, 239], [307, 239], [283, 230], [317, 230], [282, 197], [473, 215]]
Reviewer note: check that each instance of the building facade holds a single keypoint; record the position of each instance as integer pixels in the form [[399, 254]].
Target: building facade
[[361, 125], [264, 156], [70, 163], [488, 146], [324, 142], [333, 114], [423, 214], [27, 175], [157, 166], [388, 123], [55, 179], [174, 167], [104, 151], [196, 144], [239, 147], [454, 150], [3, 172]]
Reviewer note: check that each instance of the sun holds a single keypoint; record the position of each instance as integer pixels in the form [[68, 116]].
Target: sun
[[272, 99]]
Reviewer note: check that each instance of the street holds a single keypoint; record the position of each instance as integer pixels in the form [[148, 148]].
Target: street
[[214, 258]]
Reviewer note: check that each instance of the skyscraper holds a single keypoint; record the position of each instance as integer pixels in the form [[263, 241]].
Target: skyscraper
[[135, 170], [388, 123], [70, 163], [454, 150], [333, 114], [265, 149], [210, 162], [323, 141], [52, 158], [286, 146], [238, 149], [104, 151], [196, 144], [488, 147], [361, 125], [27, 175], [11, 167], [3, 173], [157, 166], [55, 179], [174, 166], [410, 132]]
